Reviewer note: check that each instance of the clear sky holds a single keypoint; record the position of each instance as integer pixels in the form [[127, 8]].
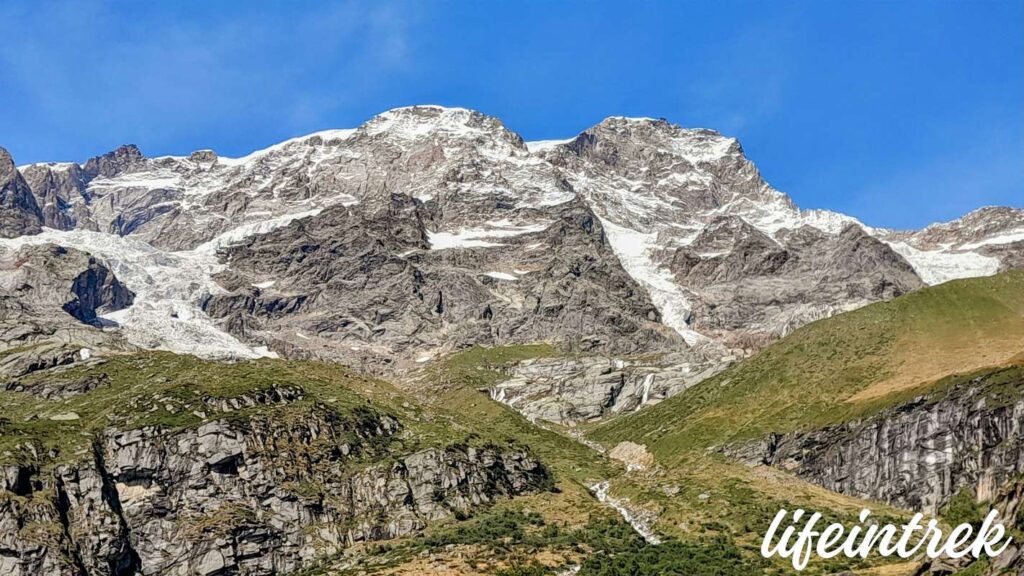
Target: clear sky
[[899, 113]]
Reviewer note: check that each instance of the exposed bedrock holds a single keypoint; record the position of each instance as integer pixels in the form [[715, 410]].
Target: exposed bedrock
[[364, 284], [918, 454], [259, 497]]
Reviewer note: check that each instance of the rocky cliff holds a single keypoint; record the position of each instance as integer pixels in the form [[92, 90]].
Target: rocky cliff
[[579, 388], [918, 454], [50, 301], [264, 480], [750, 288], [1007, 502], [365, 284], [19, 211]]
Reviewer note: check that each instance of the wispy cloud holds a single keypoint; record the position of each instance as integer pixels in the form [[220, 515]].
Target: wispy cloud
[[983, 163], [89, 65], [746, 74]]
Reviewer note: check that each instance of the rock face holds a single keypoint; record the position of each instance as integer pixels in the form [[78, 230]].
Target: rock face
[[916, 455], [1008, 503], [365, 284], [752, 289], [66, 191], [19, 212], [96, 290], [723, 254], [49, 277], [581, 388], [50, 297], [259, 497]]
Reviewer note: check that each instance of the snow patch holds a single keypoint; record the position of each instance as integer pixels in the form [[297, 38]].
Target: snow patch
[[325, 135], [542, 145], [634, 252], [479, 237], [1004, 238], [150, 180], [244, 231], [403, 123], [51, 165], [938, 266], [501, 275]]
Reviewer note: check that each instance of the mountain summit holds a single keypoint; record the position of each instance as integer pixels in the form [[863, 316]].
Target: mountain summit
[[449, 223]]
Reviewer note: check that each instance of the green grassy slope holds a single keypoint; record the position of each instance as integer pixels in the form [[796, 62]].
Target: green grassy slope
[[177, 391], [715, 505], [839, 368]]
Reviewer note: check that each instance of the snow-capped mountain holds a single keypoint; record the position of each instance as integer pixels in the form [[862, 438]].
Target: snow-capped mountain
[[429, 228]]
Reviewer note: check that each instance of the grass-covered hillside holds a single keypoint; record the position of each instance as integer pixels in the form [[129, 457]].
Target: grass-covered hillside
[[710, 514], [53, 416], [839, 368]]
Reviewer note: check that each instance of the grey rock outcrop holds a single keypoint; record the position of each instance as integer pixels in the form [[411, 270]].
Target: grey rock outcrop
[[1008, 503], [570, 390], [256, 497], [63, 191], [366, 284], [48, 278], [50, 297], [19, 212], [114, 162], [982, 227], [750, 289], [915, 455]]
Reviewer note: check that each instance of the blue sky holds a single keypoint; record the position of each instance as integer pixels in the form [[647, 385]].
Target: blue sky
[[900, 113]]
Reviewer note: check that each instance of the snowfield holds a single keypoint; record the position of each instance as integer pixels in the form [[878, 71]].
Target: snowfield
[[482, 237], [938, 266], [634, 251], [168, 287]]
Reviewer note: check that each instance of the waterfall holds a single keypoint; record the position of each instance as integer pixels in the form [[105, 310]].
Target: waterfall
[[638, 520], [648, 380]]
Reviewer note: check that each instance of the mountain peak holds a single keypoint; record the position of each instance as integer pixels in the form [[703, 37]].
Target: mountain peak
[[417, 122], [694, 144], [6, 163], [431, 116], [115, 161]]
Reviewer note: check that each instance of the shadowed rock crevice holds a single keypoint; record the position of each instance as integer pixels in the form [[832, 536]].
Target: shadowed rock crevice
[[97, 291]]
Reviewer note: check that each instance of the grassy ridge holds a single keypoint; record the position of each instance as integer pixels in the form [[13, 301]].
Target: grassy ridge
[[180, 391], [839, 368]]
